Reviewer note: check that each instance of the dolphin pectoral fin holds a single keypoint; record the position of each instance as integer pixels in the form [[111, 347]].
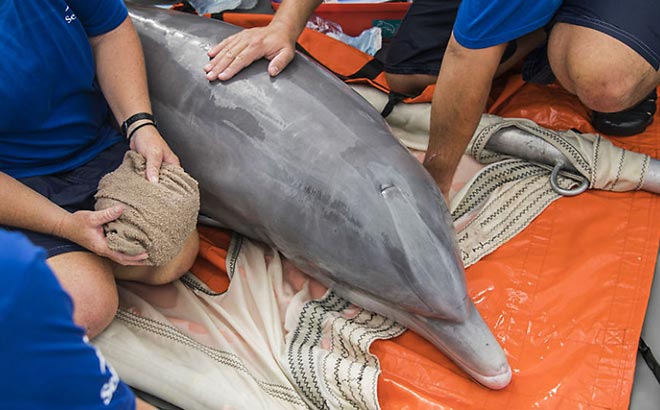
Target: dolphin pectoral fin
[[429, 263], [208, 221]]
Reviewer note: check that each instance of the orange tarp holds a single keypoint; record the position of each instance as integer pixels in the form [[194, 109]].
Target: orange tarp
[[566, 297]]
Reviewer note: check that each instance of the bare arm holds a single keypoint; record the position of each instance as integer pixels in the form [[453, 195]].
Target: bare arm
[[25, 208], [122, 76], [276, 42], [459, 99], [22, 207]]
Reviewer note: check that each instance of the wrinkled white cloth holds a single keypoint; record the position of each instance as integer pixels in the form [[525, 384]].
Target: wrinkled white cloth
[[275, 340], [606, 166], [409, 122]]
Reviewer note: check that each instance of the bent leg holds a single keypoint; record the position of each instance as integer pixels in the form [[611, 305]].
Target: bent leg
[[414, 54], [409, 84], [605, 74], [159, 275], [89, 281], [607, 52]]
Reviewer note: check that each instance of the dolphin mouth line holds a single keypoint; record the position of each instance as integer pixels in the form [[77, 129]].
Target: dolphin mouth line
[[417, 238], [385, 190], [493, 380]]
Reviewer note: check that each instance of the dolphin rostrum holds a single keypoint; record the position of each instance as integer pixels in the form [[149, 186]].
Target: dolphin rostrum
[[303, 163]]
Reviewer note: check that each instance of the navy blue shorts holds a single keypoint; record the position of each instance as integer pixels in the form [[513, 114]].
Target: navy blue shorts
[[420, 42], [633, 22], [74, 191]]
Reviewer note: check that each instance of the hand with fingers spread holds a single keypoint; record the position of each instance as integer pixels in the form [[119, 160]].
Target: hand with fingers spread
[[86, 229], [274, 42]]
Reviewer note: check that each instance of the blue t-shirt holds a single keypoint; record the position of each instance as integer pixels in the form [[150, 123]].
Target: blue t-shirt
[[486, 23], [46, 360], [53, 116]]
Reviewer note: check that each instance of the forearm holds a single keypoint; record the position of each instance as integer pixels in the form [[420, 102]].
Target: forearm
[[293, 14], [23, 207], [121, 72], [122, 76], [459, 99], [455, 113]]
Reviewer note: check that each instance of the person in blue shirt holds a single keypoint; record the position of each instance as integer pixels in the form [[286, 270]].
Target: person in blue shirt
[[607, 52], [68, 67], [46, 359]]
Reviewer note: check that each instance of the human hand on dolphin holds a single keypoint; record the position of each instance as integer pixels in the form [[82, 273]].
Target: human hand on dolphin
[[274, 42], [148, 142]]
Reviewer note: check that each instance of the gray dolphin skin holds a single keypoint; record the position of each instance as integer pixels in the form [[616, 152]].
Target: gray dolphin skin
[[301, 162]]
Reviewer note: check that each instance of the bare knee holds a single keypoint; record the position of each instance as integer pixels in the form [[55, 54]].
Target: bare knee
[[608, 96], [88, 279], [160, 275], [172, 271], [599, 87], [180, 264], [96, 310], [605, 74]]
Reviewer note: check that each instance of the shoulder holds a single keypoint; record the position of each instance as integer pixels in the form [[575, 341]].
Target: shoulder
[[99, 16]]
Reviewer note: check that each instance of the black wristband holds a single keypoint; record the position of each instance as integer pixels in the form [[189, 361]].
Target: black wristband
[[137, 128], [136, 117]]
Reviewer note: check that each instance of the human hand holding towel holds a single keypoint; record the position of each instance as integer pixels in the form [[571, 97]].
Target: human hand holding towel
[[157, 218]]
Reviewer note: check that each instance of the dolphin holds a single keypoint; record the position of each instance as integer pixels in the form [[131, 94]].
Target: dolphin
[[303, 163]]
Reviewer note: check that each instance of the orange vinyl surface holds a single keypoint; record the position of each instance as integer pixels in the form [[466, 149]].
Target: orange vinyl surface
[[566, 297]]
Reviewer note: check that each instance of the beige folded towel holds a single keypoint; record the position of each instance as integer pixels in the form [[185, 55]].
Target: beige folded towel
[[157, 217]]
